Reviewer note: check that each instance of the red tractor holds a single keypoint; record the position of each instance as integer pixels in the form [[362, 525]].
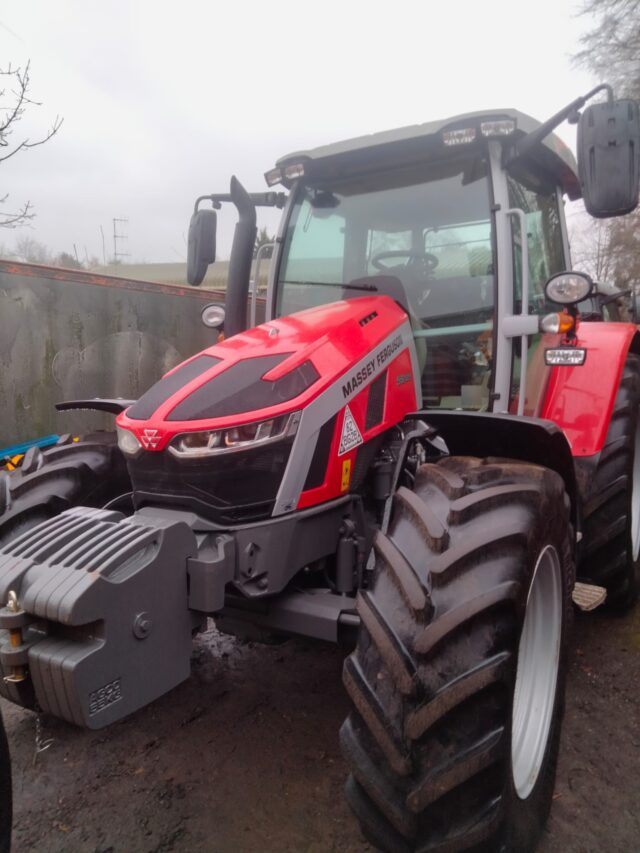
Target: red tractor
[[411, 454]]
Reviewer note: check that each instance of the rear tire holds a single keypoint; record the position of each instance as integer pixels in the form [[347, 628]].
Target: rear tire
[[441, 758], [610, 555], [88, 472]]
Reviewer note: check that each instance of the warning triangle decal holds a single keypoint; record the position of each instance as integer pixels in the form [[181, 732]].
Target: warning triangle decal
[[351, 436]]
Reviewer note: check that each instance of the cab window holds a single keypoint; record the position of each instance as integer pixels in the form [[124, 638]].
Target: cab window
[[422, 230], [544, 237], [539, 203]]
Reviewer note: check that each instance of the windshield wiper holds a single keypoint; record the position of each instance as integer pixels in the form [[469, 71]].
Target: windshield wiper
[[367, 287]]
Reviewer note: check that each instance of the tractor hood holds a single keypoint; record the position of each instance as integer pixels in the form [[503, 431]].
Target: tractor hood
[[267, 420], [268, 371]]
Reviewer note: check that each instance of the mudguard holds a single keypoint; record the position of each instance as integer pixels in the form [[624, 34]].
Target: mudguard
[[580, 399], [507, 436]]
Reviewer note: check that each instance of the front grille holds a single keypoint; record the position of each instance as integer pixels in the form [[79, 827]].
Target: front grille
[[227, 489]]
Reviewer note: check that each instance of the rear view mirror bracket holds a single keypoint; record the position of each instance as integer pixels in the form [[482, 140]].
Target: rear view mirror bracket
[[202, 227]]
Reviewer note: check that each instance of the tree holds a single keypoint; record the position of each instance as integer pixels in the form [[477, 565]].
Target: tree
[[31, 251], [611, 49], [15, 85], [64, 259], [590, 248]]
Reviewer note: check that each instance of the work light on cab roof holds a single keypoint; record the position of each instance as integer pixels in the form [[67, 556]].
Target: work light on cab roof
[[487, 129]]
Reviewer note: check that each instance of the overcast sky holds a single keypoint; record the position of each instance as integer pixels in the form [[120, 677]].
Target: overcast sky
[[164, 101]]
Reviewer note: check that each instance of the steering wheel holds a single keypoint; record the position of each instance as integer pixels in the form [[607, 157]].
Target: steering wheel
[[425, 260]]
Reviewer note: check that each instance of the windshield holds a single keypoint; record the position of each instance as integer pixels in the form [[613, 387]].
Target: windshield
[[425, 233]]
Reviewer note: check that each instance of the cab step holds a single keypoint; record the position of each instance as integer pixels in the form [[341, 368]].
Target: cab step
[[588, 596]]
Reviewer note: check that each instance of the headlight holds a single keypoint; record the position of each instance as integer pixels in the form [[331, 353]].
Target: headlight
[[213, 315], [567, 288], [210, 442], [127, 442]]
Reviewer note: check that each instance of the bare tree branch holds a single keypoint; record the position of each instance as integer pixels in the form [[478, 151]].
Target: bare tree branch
[[26, 143], [21, 217], [611, 47], [14, 100]]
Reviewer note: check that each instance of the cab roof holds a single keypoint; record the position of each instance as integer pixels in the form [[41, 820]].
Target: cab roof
[[421, 142]]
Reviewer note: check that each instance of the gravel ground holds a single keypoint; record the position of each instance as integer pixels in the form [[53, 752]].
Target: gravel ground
[[243, 758]]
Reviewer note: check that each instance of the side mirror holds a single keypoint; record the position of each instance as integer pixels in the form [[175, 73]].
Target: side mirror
[[609, 157], [202, 245]]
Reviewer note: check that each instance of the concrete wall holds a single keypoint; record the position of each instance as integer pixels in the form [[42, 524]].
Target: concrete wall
[[66, 334]]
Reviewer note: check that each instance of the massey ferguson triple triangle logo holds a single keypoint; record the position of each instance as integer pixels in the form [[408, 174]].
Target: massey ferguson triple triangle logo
[[150, 438]]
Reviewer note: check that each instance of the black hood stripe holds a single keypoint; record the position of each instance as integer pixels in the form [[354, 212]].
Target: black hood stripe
[[241, 389], [167, 387]]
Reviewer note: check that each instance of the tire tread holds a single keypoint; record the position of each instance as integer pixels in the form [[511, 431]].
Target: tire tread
[[429, 727]]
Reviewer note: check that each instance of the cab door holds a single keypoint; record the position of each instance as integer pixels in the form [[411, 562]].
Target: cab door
[[540, 203]]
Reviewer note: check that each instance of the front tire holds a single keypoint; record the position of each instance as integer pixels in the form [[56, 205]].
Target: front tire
[[470, 604]]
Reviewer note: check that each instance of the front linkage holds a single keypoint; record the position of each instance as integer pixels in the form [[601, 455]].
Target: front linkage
[[101, 608]]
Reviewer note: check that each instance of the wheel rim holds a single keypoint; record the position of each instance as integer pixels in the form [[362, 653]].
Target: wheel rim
[[537, 673], [635, 497]]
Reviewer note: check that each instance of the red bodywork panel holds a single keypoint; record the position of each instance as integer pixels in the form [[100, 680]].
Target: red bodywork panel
[[580, 399], [351, 344], [399, 398]]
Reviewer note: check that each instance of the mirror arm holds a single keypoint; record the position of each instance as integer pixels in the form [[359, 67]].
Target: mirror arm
[[270, 199], [244, 239], [528, 142], [607, 300], [215, 201]]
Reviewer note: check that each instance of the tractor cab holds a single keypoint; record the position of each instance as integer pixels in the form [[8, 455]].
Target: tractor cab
[[422, 214], [434, 216]]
